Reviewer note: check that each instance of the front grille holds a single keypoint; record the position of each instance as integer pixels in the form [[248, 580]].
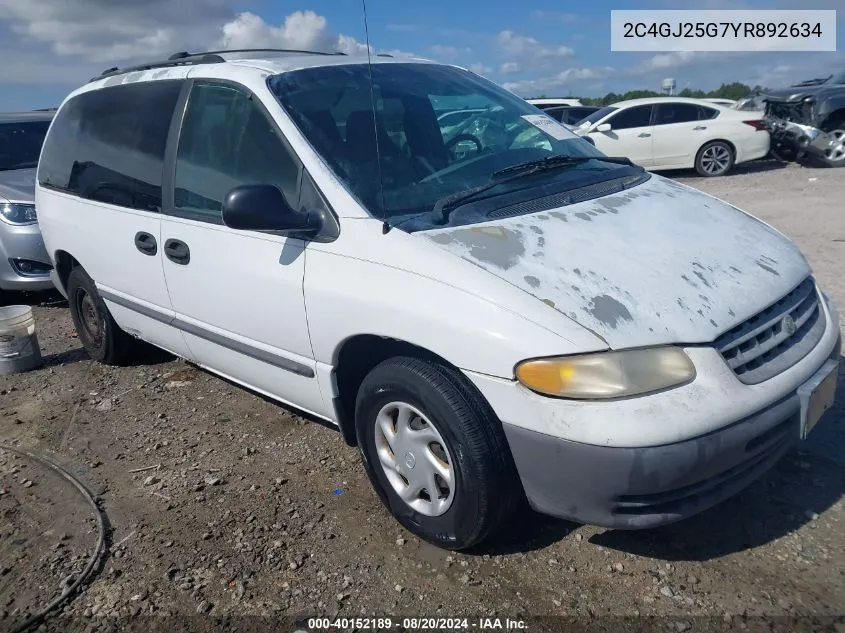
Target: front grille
[[776, 338], [796, 112]]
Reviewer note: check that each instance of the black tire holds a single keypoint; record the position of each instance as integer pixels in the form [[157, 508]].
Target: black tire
[[101, 337], [487, 487], [784, 154], [713, 153]]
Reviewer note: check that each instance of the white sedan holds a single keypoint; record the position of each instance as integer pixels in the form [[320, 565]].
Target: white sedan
[[677, 133]]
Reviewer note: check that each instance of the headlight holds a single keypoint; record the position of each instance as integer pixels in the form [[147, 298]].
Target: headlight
[[607, 374], [18, 213]]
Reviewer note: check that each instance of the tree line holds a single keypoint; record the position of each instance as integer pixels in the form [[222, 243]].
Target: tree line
[[735, 90]]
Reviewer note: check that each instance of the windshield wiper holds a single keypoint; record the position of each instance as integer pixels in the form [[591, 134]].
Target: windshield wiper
[[444, 206], [551, 162]]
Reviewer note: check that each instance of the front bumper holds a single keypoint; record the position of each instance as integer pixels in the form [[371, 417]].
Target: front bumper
[[22, 247], [636, 488], [798, 137], [648, 461]]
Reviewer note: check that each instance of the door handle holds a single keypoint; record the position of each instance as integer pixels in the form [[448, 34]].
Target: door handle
[[700, 127], [146, 243], [177, 252], [643, 134]]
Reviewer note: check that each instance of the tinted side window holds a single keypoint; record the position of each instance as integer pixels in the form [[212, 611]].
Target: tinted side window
[[575, 114], [668, 113], [108, 144], [227, 141], [706, 113], [20, 143], [559, 114], [638, 116]]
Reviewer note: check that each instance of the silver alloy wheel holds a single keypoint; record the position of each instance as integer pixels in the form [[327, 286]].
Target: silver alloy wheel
[[716, 159], [836, 151], [415, 459]]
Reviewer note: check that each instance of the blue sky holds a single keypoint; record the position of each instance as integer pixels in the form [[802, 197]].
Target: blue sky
[[533, 47]]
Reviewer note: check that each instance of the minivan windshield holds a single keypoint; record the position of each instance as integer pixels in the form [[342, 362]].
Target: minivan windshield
[[421, 133], [20, 144]]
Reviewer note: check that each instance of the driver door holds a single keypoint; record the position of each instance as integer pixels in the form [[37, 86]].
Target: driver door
[[237, 294], [630, 135]]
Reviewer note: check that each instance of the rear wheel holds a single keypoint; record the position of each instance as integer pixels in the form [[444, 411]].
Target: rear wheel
[[715, 158], [435, 452], [101, 337]]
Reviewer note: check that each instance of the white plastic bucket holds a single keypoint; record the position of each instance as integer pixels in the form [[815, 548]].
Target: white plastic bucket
[[19, 350]]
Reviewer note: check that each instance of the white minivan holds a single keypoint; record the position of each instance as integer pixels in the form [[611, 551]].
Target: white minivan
[[502, 316]]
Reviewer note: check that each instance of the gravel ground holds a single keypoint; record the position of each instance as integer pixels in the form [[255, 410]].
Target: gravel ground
[[247, 509]]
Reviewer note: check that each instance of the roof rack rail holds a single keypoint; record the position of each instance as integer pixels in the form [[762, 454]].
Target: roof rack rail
[[254, 50], [184, 58]]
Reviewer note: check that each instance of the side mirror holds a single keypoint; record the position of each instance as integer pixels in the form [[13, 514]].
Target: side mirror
[[604, 127], [264, 208]]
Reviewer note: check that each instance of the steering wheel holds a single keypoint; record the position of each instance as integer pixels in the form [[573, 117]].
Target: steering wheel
[[463, 137]]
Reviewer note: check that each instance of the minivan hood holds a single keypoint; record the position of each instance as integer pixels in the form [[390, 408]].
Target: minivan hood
[[18, 185], [658, 263]]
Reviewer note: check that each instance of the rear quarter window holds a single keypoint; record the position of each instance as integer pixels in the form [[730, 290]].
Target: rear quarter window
[[108, 144]]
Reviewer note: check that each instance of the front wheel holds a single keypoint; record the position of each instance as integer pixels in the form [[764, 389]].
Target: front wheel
[[834, 155], [435, 452], [715, 158]]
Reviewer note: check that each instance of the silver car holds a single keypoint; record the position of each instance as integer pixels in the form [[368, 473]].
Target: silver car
[[24, 264]]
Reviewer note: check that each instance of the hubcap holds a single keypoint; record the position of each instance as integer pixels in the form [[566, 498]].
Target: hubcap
[[836, 150], [88, 317], [415, 459], [715, 159]]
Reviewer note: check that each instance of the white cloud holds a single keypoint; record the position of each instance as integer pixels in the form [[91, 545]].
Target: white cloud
[[101, 30], [665, 61], [560, 16], [480, 69], [68, 41], [449, 53], [559, 82], [305, 30], [509, 68], [527, 47], [31, 68]]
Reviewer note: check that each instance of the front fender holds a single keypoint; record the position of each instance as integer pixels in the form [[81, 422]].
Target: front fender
[[345, 297], [830, 106]]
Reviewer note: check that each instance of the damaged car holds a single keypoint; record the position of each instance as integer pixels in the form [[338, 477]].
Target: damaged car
[[495, 316], [807, 120]]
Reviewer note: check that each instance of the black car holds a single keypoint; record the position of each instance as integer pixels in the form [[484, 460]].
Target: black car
[[808, 119]]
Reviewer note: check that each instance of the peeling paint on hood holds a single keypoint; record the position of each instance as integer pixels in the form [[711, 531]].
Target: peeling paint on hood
[[658, 263]]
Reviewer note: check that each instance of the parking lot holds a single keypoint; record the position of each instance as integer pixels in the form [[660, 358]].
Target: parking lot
[[240, 507]]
